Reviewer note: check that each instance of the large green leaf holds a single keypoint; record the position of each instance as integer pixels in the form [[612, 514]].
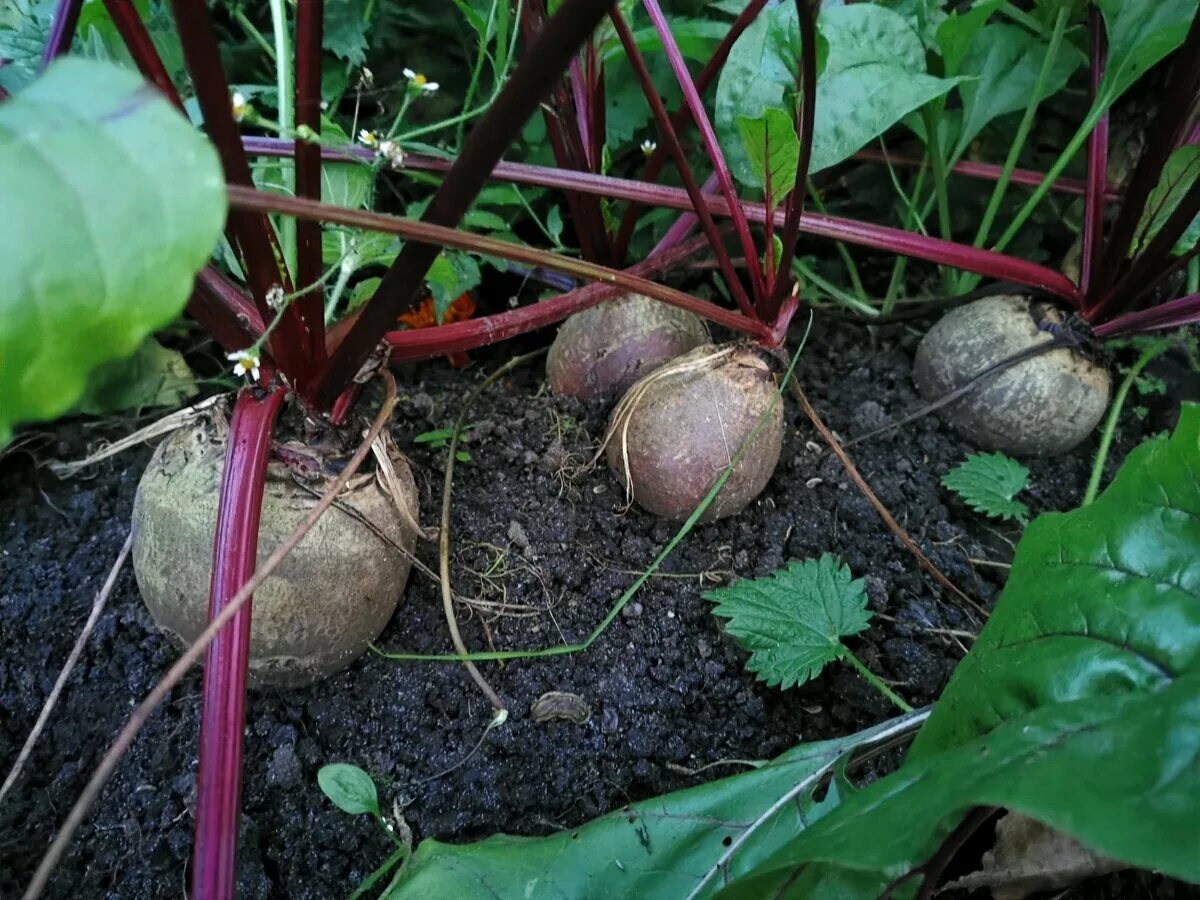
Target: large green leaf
[[874, 75], [1079, 704], [659, 848], [1140, 34], [1100, 601], [112, 203], [1002, 69], [1118, 773]]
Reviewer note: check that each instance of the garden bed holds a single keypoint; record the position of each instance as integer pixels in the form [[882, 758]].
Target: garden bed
[[667, 692]]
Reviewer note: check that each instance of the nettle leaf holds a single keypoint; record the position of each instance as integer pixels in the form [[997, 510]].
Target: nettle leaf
[[451, 275], [345, 31], [793, 621], [1002, 69], [988, 482], [350, 788], [1140, 35], [112, 203], [652, 849], [874, 74], [773, 149], [1179, 175]]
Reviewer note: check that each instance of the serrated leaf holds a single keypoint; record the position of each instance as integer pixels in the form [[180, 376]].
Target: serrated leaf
[[793, 621], [988, 482], [112, 203], [345, 31], [350, 788], [773, 149]]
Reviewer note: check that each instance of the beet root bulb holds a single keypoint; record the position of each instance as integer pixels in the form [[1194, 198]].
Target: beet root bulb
[[677, 430], [1041, 406], [331, 597], [600, 352]]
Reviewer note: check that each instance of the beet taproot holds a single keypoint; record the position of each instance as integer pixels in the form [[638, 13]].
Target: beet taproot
[[1041, 406], [678, 428], [602, 351], [329, 599]]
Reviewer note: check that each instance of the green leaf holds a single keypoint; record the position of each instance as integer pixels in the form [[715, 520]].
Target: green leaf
[[1109, 594], [350, 788], [153, 376], [773, 148], [652, 849], [1178, 177], [554, 222], [874, 74], [988, 482], [1140, 34], [484, 218], [1117, 773], [1078, 705], [793, 621], [1002, 69], [112, 203], [345, 31], [955, 33], [24, 30], [451, 275]]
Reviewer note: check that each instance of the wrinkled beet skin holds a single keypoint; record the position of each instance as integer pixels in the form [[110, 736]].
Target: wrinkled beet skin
[[329, 599], [1039, 407], [602, 351], [684, 431]]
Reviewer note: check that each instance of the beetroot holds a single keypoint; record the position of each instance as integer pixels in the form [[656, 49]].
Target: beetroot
[[678, 428], [601, 351], [329, 599], [1038, 407]]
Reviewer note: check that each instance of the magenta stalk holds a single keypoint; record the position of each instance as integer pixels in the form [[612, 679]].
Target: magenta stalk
[[223, 716]]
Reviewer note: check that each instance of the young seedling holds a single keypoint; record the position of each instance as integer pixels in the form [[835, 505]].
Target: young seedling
[[794, 622], [353, 791], [439, 439], [988, 483]]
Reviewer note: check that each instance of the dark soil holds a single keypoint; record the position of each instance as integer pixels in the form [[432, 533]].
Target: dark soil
[[666, 690]]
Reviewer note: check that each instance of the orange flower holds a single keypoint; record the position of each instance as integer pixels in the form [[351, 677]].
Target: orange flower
[[425, 316]]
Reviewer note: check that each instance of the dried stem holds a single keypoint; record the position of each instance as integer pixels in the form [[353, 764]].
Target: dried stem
[[856, 477]]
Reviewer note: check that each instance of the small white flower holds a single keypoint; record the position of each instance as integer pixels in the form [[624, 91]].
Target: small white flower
[[420, 82], [245, 363], [368, 138], [240, 105], [390, 150], [649, 146], [276, 297]]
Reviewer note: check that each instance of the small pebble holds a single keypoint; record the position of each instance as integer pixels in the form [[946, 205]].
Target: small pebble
[[516, 534]]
